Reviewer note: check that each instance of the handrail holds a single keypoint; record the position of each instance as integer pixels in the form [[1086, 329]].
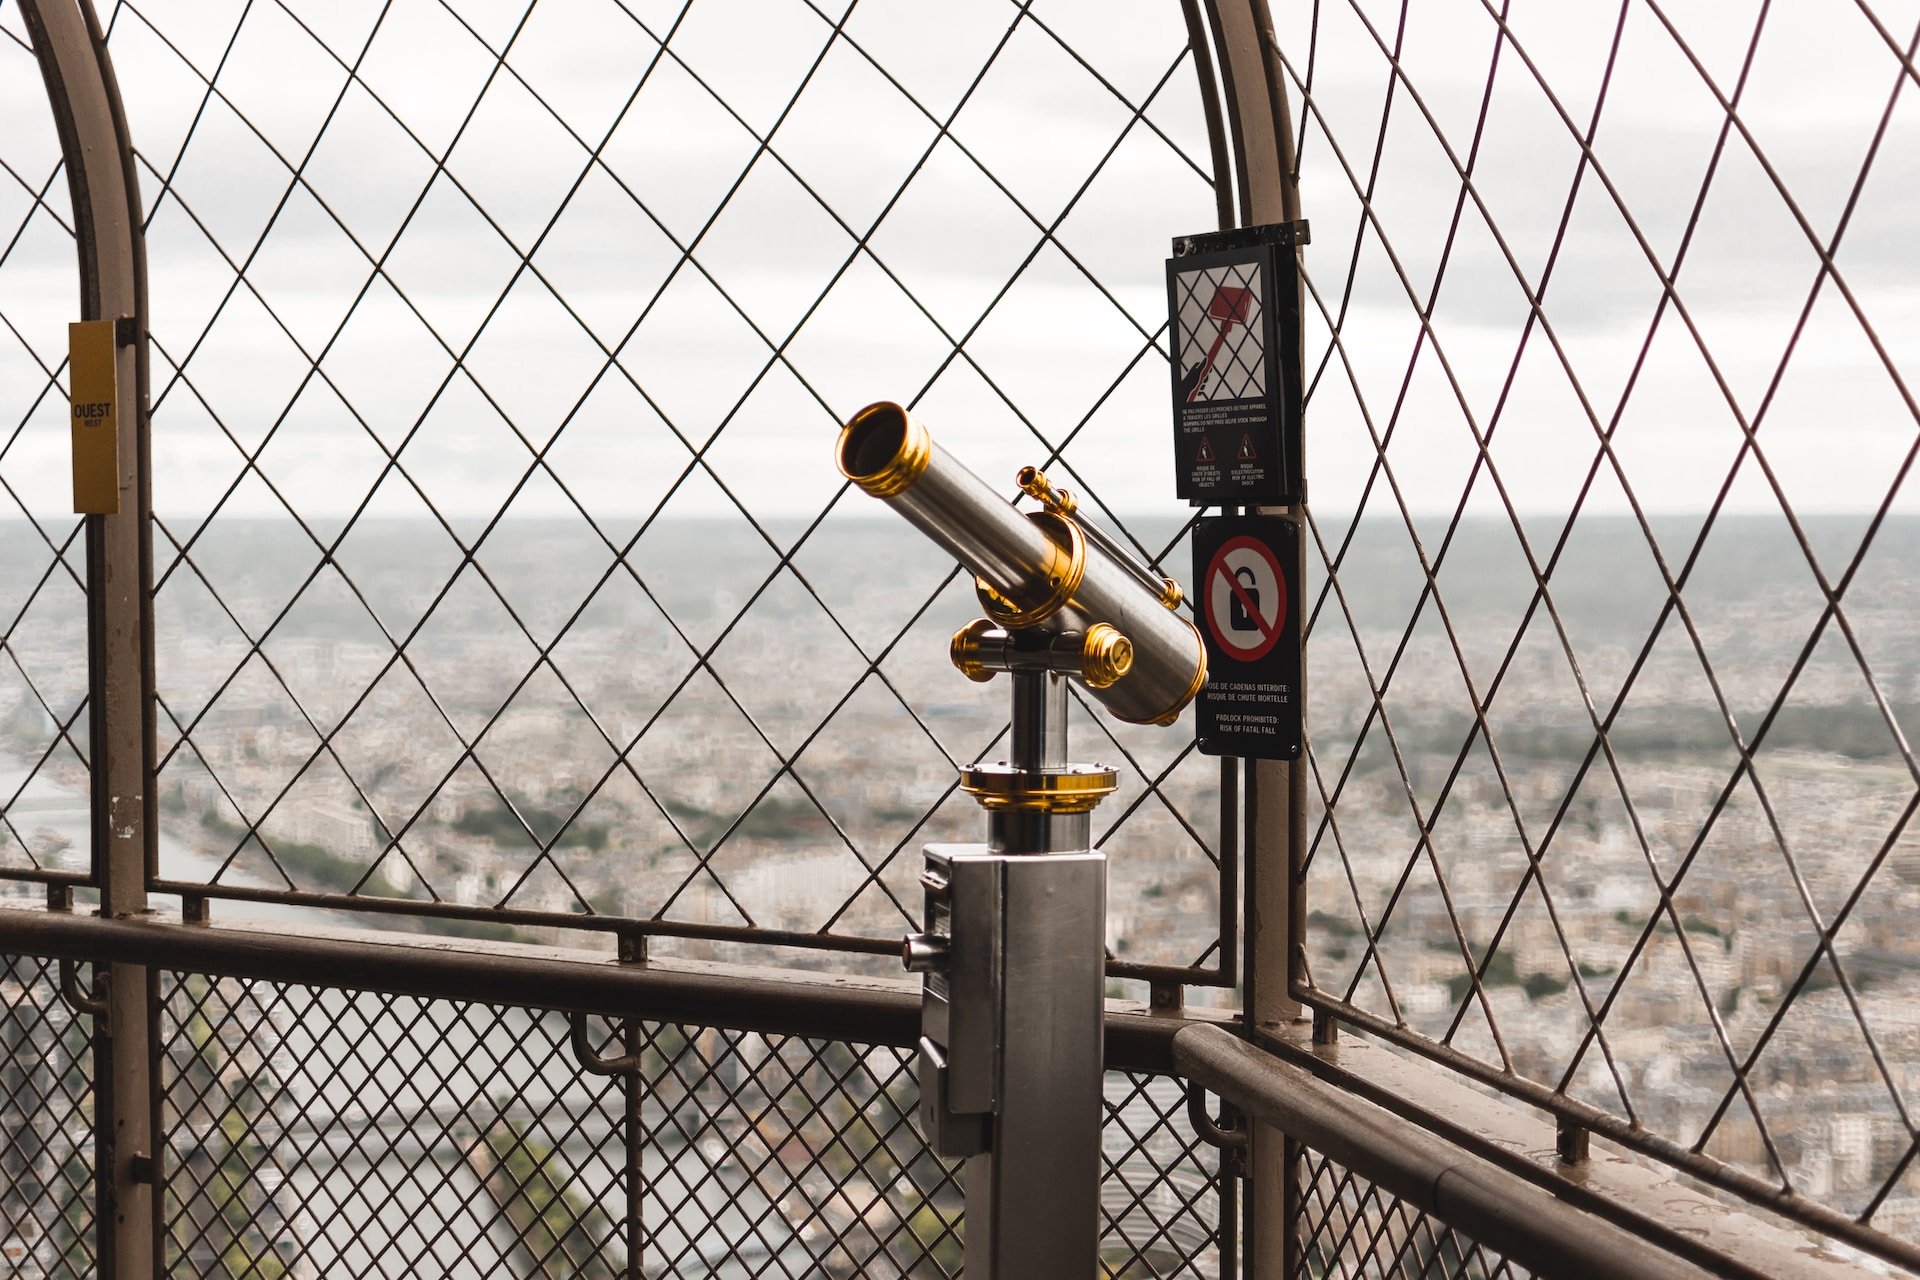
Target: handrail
[[1497, 1208], [737, 997], [1505, 1211]]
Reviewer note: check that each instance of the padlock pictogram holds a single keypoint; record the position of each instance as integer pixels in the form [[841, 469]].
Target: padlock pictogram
[[1238, 619]]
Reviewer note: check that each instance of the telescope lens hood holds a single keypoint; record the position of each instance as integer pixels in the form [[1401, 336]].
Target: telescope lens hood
[[884, 449]]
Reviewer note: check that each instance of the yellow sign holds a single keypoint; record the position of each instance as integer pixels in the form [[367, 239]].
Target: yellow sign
[[92, 365]]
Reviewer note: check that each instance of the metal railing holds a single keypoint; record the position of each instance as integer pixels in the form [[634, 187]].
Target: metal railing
[[314, 1128], [332, 1099]]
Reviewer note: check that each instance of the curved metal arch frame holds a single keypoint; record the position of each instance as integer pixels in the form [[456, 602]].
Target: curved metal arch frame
[[97, 150], [1266, 178]]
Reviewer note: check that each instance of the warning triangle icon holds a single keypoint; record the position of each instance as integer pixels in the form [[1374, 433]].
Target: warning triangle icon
[[1206, 450], [1246, 448]]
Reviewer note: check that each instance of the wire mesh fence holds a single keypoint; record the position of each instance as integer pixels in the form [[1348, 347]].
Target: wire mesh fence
[[317, 1132], [44, 825], [1353, 1229], [1611, 645], [500, 560], [501, 571], [46, 1126]]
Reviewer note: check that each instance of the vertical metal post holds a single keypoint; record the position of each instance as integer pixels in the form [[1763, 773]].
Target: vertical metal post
[[1033, 1198], [633, 950], [636, 1136], [1011, 1055], [1276, 791], [98, 152]]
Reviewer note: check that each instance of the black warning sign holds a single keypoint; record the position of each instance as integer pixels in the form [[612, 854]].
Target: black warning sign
[[1233, 303], [1246, 571]]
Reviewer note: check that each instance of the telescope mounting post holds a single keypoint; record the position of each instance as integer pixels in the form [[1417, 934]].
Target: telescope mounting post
[[1013, 948], [1011, 1055]]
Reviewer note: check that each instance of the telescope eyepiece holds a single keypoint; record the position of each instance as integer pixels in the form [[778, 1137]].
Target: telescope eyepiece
[[1034, 483]]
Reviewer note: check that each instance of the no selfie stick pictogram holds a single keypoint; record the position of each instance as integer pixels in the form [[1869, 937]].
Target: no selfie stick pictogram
[[1233, 328], [1230, 307]]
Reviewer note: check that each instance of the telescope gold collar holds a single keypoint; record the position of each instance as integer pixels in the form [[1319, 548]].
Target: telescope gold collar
[[1059, 578], [1073, 788], [892, 452]]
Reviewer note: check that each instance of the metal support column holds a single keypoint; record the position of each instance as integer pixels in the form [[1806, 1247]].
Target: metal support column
[[1276, 791], [94, 141], [1014, 1013]]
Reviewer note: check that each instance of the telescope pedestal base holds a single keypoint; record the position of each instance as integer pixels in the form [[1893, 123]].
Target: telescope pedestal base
[[1027, 959]]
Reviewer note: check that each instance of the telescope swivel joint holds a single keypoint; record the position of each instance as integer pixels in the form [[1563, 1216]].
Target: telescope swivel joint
[[1099, 656]]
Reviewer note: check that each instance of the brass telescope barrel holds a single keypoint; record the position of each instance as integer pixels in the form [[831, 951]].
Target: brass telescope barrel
[[1031, 570]]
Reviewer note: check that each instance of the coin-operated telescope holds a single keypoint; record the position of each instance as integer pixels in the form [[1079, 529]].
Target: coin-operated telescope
[[1013, 951]]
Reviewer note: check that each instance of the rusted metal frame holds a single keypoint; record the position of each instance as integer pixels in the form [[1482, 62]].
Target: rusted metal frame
[[733, 997], [98, 153], [1472, 1195]]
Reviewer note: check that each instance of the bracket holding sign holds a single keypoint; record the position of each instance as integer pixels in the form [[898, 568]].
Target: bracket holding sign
[[1245, 571], [1233, 308]]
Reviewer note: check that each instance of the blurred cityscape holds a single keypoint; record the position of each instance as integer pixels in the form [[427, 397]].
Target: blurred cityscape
[[1816, 830], [665, 795], [657, 782]]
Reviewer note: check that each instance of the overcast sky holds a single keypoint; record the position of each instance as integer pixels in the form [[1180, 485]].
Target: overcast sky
[[608, 238]]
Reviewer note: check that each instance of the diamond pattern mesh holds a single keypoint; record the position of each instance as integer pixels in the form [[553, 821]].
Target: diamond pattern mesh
[[321, 1132], [1610, 365], [501, 562], [46, 1126], [44, 827], [499, 568], [1353, 1229]]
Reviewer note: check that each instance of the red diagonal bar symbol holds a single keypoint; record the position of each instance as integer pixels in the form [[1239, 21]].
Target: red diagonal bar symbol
[[1247, 602]]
